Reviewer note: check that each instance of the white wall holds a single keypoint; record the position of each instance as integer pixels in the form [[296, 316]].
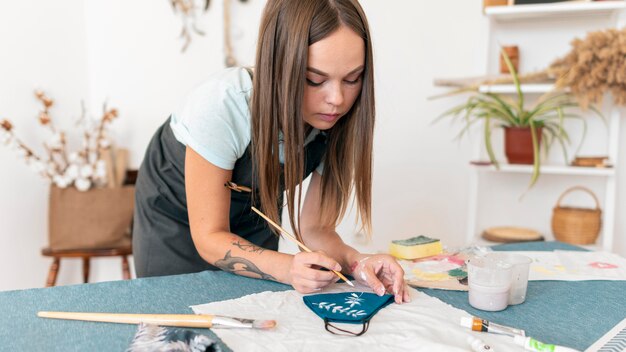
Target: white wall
[[43, 45], [128, 53]]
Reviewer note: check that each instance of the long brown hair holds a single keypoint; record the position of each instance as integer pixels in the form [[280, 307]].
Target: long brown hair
[[287, 29]]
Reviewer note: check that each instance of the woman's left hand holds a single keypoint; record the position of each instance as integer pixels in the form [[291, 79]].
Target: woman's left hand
[[383, 274]]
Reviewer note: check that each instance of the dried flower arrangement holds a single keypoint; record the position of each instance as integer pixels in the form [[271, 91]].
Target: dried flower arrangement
[[188, 10], [84, 168], [595, 65]]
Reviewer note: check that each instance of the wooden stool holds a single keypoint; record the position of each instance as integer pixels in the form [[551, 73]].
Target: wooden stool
[[86, 254]]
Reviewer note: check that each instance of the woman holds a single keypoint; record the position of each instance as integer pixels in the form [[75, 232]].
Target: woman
[[311, 98]]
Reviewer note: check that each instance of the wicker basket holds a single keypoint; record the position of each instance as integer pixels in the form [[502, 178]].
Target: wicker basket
[[576, 225]]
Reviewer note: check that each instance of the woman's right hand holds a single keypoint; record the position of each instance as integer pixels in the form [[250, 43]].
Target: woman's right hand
[[306, 274]]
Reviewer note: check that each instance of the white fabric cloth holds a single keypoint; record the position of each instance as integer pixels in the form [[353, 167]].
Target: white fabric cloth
[[424, 324], [215, 119]]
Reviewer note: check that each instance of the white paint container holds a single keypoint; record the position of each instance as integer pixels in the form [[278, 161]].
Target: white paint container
[[489, 281], [491, 298], [519, 274]]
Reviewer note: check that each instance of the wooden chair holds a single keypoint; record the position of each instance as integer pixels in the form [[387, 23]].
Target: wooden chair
[[86, 254], [122, 251]]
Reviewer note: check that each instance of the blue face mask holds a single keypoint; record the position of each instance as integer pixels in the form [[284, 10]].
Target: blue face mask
[[346, 307]]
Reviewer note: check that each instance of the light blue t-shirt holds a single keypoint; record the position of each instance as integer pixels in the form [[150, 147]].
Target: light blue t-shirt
[[215, 119]]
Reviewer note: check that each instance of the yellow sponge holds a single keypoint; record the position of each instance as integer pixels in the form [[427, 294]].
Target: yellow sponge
[[415, 247]]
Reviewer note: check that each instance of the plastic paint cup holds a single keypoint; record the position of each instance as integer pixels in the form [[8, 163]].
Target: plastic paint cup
[[491, 298], [519, 274], [489, 282]]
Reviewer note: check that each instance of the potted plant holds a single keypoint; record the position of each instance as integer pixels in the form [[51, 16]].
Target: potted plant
[[526, 128]]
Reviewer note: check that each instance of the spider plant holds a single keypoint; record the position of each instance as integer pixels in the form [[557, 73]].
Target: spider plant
[[547, 115]]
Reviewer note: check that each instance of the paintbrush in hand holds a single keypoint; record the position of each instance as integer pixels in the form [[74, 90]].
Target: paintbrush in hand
[[179, 320], [295, 240]]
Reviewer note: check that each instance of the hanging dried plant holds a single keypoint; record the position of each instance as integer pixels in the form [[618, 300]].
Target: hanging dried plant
[[188, 10], [84, 168], [229, 59], [595, 65]]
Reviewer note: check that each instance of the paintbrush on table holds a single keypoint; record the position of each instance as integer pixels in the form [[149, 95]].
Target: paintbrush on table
[[295, 240], [179, 320]]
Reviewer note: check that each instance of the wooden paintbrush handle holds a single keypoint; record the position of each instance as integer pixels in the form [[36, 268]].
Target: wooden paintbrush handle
[[277, 227], [181, 320]]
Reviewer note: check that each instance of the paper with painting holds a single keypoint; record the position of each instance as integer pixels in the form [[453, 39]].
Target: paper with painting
[[446, 271], [575, 266]]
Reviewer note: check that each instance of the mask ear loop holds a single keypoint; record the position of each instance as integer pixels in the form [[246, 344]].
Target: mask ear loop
[[343, 332]]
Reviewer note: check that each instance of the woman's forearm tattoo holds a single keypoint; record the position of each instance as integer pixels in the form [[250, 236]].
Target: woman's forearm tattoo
[[248, 247], [241, 265]]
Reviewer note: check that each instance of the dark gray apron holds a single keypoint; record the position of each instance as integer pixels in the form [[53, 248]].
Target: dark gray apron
[[162, 243]]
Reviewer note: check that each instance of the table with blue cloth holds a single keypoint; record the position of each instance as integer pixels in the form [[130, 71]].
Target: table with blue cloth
[[573, 314]]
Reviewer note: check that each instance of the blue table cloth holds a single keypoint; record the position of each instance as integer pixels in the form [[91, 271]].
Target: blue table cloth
[[568, 313], [573, 314]]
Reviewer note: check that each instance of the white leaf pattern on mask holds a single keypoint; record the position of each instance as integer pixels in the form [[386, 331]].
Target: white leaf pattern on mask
[[331, 307], [354, 300]]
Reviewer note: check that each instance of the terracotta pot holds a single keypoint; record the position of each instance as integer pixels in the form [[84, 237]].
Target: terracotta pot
[[518, 144], [513, 53]]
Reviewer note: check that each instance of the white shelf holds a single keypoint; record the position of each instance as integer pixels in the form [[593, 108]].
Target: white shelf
[[555, 10], [548, 24], [549, 170], [536, 88]]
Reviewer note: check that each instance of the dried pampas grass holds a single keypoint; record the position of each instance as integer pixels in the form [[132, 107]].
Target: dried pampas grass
[[595, 66]]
